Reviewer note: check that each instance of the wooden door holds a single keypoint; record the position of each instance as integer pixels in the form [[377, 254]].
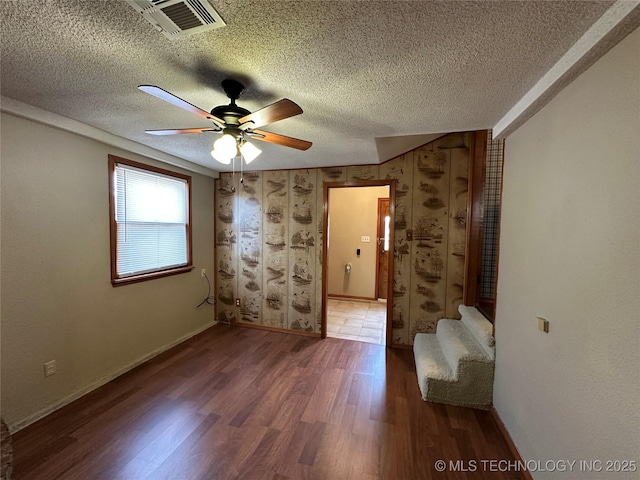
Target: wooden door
[[382, 270]]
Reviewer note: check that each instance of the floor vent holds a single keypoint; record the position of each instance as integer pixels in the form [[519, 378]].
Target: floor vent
[[179, 18]]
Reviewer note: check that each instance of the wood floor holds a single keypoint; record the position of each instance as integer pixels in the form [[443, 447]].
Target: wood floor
[[239, 403]]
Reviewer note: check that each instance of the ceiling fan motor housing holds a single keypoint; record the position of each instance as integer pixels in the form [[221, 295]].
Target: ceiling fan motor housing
[[232, 88], [230, 113]]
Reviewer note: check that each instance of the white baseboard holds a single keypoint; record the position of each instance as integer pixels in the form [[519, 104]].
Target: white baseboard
[[34, 417]]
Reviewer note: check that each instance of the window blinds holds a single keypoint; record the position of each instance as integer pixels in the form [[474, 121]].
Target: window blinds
[[151, 218]]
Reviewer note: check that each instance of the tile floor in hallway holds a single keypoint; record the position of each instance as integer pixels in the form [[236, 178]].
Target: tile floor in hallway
[[360, 320]]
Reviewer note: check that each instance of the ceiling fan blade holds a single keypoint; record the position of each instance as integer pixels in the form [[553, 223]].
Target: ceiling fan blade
[[178, 102], [280, 139], [182, 130], [280, 110]]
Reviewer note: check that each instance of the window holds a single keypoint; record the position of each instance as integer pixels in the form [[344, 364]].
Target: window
[[150, 218]]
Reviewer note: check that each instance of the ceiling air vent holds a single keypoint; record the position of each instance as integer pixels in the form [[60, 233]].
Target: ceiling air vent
[[178, 18]]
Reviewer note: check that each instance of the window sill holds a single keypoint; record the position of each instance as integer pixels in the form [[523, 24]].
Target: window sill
[[118, 282]]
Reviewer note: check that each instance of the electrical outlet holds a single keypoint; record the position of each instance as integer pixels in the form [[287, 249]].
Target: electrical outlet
[[203, 272], [50, 368], [237, 302]]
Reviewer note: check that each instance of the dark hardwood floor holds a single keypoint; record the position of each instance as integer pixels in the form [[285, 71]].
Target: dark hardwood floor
[[239, 403]]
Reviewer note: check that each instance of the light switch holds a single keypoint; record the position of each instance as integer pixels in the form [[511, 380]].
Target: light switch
[[543, 324], [365, 238]]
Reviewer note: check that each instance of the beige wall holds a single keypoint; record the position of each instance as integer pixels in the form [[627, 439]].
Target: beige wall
[[57, 299], [570, 253], [353, 212]]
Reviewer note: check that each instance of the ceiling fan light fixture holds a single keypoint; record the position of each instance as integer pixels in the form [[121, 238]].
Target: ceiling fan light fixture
[[249, 152], [224, 149], [218, 155], [226, 143]]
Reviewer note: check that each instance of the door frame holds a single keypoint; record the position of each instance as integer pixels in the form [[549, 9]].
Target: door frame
[[391, 183], [378, 247], [475, 215]]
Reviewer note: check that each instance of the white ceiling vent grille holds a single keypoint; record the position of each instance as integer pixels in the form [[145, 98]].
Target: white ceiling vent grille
[[178, 18]]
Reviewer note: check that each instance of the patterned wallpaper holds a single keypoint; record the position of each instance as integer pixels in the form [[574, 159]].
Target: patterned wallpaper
[[269, 240]]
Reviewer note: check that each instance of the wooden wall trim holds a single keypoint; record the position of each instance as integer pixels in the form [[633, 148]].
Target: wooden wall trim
[[475, 214], [325, 261]]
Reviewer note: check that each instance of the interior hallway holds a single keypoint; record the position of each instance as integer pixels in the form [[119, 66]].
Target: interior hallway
[[360, 320]]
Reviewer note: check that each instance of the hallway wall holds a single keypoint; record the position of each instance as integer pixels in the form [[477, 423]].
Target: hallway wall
[[569, 252], [353, 212]]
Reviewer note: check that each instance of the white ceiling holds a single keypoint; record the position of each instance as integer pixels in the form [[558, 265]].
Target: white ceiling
[[364, 72]]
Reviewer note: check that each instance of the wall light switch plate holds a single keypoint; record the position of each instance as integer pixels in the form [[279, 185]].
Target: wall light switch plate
[[543, 324], [365, 238]]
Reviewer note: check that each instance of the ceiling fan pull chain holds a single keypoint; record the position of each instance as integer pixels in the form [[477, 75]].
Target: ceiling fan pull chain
[[233, 176]]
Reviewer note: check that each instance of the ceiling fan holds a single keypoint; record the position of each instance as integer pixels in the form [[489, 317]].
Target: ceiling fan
[[234, 122]]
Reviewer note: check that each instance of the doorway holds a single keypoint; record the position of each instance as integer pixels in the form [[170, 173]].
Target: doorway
[[357, 285]]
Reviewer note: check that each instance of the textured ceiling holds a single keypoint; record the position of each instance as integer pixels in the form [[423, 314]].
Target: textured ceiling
[[360, 70]]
